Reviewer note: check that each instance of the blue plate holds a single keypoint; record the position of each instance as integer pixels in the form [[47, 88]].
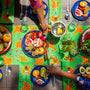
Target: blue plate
[[0, 7], [33, 79], [34, 16], [24, 46], [2, 75], [76, 6], [77, 70]]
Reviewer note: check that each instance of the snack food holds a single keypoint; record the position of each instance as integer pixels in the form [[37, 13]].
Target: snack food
[[78, 13], [44, 6], [43, 73], [39, 81], [35, 73], [82, 70], [41, 50], [37, 42], [6, 37], [82, 9], [34, 42], [1, 47], [88, 70], [59, 31], [28, 41], [83, 4], [0, 75]]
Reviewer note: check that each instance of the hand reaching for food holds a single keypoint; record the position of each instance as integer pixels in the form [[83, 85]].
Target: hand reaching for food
[[53, 70]]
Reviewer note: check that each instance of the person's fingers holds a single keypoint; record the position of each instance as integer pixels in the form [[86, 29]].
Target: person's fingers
[[50, 66], [47, 71]]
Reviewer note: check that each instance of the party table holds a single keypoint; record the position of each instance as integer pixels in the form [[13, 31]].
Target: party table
[[16, 56]]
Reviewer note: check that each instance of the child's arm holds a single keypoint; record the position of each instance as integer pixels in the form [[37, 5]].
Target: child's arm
[[41, 19], [57, 71], [38, 6]]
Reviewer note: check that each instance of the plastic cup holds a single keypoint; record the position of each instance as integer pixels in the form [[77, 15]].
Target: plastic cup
[[72, 26]]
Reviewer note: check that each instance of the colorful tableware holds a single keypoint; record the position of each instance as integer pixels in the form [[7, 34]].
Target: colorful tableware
[[24, 46], [1, 75], [34, 16], [10, 42], [76, 6], [33, 79]]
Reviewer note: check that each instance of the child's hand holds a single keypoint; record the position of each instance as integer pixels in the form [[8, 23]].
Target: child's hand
[[53, 70]]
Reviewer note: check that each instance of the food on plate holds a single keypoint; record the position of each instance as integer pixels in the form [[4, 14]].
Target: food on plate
[[38, 42], [0, 40], [30, 47], [6, 37], [82, 70], [41, 50], [78, 13], [33, 36], [36, 73], [1, 36], [85, 15], [83, 3], [88, 70], [2, 28], [28, 35], [5, 44], [34, 53], [37, 51], [43, 38], [44, 6], [87, 8], [59, 31], [0, 75], [28, 41], [85, 11], [43, 73], [39, 81], [35, 33], [38, 77], [86, 45], [44, 12], [34, 42], [1, 47], [40, 34], [87, 36], [82, 8]]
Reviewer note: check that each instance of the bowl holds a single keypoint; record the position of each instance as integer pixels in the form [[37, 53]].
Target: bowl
[[58, 29], [83, 39]]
